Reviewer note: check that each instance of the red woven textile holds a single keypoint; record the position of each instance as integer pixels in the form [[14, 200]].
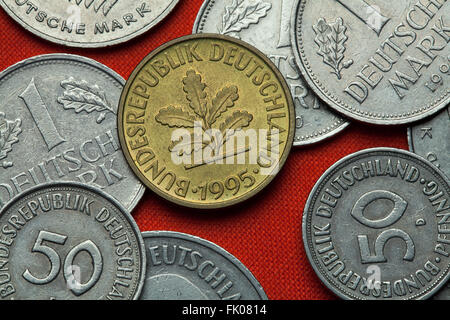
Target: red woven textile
[[264, 232]]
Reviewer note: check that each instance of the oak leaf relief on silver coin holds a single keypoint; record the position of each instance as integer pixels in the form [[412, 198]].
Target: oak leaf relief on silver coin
[[331, 39], [9, 131], [80, 96], [206, 113], [240, 15]]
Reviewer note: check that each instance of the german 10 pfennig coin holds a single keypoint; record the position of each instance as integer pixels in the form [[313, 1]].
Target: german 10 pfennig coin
[[88, 23], [185, 267], [69, 241], [431, 140], [58, 123], [382, 62], [206, 121], [375, 226], [266, 25]]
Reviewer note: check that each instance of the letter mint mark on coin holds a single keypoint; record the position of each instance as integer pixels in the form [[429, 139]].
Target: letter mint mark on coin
[[371, 226]]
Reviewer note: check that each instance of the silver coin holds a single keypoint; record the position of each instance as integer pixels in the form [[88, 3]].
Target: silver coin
[[88, 23], [266, 25], [69, 241], [185, 267], [375, 226], [381, 62], [58, 123], [431, 140]]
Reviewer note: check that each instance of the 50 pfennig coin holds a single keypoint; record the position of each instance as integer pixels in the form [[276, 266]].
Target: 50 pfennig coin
[[377, 61], [206, 121], [69, 241], [375, 226]]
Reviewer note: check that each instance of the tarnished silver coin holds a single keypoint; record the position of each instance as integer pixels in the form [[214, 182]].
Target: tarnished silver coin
[[266, 25], [185, 267], [58, 123], [381, 62], [375, 226], [69, 241], [88, 23], [431, 140]]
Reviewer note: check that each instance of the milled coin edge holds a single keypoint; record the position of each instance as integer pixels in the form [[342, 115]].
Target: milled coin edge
[[102, 194], [329, 171], [198, 205]]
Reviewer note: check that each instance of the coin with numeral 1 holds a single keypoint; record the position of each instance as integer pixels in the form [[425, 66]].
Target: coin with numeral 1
[[430, 139], [69, 241], [185, 267], [58, 123], [375, 226], [381, 62], [266, 25]]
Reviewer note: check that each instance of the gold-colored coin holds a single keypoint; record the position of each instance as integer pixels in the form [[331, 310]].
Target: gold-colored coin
[[206, 121]]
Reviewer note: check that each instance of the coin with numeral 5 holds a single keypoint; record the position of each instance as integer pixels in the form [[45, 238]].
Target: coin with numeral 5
[[65, 241], [375, 226], [381, 62]]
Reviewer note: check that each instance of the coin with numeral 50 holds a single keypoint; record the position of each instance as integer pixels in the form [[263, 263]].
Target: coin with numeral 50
[[66, 241], [375, 226]]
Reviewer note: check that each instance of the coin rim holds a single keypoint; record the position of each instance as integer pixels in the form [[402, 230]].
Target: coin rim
[[74, 44], [343, 122], [337, 107], [140, 241], [309, 205], [83, 60], [214, 247], [410, 136], [191, 204]]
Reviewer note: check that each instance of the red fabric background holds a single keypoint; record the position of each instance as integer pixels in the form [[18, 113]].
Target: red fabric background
[[264, 232]]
